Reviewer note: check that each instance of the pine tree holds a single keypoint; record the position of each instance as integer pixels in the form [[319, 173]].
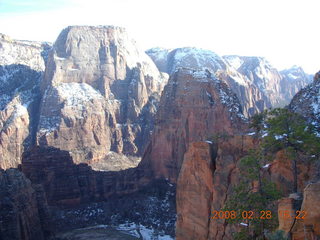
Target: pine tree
[[275, 130], [288, 131], [255, 192], [253, 199]]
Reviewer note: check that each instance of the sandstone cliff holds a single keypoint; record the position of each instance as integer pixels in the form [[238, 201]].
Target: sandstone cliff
[[195, 106], [100, 94], [21, 67], [304, 223], [208, 174]]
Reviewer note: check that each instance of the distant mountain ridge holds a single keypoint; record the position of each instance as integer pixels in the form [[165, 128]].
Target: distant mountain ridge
[[256, 83]]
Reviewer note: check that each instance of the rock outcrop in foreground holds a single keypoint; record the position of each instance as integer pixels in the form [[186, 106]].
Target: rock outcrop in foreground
[[210, 171], [208, 174], [100, 93]]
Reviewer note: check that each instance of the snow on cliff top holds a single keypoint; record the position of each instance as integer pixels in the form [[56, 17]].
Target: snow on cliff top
[[76, 94], [197, 58], [227, 97], [13, 52]]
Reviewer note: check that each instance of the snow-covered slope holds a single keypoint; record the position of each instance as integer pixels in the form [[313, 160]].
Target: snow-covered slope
[[256, 83], [307, 102], [170, 60], [294, 79], [21, 66]]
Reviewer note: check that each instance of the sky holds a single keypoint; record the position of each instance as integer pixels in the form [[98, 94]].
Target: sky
[[286, 32]]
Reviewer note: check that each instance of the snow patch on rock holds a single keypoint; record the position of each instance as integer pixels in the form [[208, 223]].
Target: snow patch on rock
[[77, 94]]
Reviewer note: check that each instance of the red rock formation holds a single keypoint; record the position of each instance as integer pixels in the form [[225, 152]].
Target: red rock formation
[[195, 106], [304, 223], [310, 204], [194, 193], [207, 176], [282, 174]]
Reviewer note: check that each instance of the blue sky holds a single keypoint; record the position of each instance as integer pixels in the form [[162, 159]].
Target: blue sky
[[23, 6], [285, 32]]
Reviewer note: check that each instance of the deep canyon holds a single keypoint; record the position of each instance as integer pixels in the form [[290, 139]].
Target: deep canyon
[[96, 132]]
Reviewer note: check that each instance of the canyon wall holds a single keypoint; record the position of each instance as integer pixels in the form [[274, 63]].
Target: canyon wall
[[21, 67]]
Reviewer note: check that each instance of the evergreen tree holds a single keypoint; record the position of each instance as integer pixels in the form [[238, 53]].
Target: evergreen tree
[[253, 199], [289, 132], [275, 130]]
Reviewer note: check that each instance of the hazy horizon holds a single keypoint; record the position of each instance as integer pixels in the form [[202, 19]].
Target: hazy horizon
[[285, 32]]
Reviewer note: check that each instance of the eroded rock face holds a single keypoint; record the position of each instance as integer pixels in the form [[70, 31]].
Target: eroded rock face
[[21, 67], [194, 192], [310, 204], [195, 106], [304, 224], [22, 208], [170, 60], [256, 83], [281, 172], [100, 94], [293, 80], [208, 174]]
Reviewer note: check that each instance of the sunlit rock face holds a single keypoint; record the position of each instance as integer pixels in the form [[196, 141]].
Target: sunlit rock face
[[195, 106], [100, 94]]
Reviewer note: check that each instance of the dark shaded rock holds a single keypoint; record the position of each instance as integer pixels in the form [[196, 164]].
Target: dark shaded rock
[[23, 209]]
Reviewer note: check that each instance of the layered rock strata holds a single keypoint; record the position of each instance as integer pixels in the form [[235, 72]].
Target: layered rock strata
[[208, 174], [195, 106], [69, 184], [100, 94]]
